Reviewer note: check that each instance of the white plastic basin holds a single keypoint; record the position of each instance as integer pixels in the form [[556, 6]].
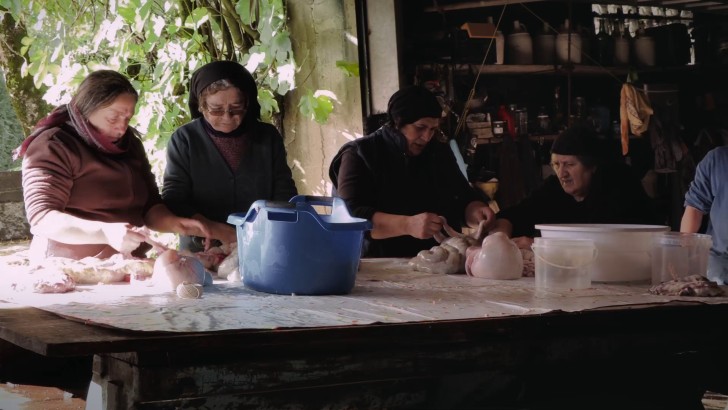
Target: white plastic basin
[[623, 251]]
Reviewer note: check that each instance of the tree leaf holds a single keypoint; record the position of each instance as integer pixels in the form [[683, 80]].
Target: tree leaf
[[351, 69]]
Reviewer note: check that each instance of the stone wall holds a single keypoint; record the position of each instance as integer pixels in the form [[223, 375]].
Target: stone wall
[[13, 224]]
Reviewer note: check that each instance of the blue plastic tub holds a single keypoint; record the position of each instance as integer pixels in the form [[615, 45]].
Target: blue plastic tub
[[289, 248]]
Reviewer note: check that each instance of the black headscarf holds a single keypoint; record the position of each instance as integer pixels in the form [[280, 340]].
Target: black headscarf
[[411, 103], [233, 72], [580, 141]]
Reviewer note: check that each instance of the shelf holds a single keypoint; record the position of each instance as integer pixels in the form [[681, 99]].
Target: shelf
[[703, 6], [533, 138], [539, 69]]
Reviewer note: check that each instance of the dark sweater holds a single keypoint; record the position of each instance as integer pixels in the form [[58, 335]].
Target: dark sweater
[[198, 179], [373, 174], [616, 196]]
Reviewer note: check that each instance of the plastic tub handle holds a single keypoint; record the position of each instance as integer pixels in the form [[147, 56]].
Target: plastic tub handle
[[535, 252]]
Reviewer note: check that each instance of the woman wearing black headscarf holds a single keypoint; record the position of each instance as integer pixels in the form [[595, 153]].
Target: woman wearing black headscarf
[[225, 158], [404, 180], [587, 187]]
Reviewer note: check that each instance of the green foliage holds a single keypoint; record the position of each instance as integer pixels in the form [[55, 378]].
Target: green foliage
[[317, 105], [351, 69], [158, 44], [11, 133]]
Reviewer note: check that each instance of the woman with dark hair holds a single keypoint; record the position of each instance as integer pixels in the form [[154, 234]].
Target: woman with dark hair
[[404, 180], [87, 183], [587, 188], [225, 158]]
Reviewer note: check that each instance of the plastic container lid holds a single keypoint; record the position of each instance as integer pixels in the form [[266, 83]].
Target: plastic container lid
[[602, 227], [683, 239]]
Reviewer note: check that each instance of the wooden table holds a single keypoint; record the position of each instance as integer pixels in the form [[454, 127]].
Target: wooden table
[[593, 359]]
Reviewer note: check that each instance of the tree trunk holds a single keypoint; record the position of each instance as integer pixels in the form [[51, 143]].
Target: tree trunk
[[26, 99]]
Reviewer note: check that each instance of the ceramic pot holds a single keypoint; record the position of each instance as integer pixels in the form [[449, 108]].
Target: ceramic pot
[[644, 50], [544, 47], [519, 45]]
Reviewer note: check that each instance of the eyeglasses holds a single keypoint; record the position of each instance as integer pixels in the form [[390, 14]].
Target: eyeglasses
[[232, 112]]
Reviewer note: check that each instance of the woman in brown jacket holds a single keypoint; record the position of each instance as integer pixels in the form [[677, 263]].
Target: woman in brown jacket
[[87, 183]]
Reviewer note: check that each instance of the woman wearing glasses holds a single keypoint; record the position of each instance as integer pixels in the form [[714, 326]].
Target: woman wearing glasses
[[404, 180], [225, 158], [87, 184]]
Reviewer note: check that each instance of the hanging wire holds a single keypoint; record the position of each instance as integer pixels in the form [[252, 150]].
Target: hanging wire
[[461, 120]]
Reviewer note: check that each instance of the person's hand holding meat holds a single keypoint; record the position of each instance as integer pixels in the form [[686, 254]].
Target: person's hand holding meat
[[478, 211], [223, 232], [123, 237], [424, 225]]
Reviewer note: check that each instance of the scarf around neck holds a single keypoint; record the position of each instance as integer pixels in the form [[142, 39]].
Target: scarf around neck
[[69, 115]]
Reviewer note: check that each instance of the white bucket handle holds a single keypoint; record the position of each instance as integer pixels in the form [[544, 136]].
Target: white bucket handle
[[594, 257]]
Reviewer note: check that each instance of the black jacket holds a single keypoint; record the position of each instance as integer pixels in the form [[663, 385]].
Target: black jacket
[[373, 174], [616, 196]]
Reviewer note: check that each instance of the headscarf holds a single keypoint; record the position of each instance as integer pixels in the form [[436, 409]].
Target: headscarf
[[578, 140], [69, 115], [233, 72], [411, 103]]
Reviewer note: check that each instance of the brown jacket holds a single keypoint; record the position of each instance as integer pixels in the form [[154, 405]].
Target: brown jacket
[[61, 172]]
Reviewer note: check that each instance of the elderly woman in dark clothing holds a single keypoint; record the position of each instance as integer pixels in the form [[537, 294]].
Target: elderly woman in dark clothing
[[225, 158], [405, 181], [586, 188]]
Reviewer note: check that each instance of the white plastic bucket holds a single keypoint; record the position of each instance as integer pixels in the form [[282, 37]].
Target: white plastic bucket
[[563, 263], [624, 250], [677, 255]]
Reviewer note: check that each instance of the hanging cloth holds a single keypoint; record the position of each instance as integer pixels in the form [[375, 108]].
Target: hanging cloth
[[634, 114]]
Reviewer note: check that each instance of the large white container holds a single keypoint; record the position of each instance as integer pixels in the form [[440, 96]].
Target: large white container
[[623, 251]]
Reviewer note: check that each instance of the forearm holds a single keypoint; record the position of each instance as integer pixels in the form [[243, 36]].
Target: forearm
[[221, 231], [159, 218], [66, 228], [691, 220], [386, 225]]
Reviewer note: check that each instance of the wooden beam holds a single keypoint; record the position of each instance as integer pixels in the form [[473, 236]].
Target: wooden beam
[[474, 5]]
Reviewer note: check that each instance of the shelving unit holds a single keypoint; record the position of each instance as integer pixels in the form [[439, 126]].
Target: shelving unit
[[433, 49]]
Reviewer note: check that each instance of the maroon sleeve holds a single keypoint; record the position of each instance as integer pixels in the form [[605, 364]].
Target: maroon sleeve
[[48, 168]]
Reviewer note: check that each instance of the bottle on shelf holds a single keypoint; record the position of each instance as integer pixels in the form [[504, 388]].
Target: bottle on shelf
[[604, 46], [519, 45], [621, 45], [568, 45], [557, 116], [506, 116], [499, 44], [544, 121], [544, 47], [644, 48]]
